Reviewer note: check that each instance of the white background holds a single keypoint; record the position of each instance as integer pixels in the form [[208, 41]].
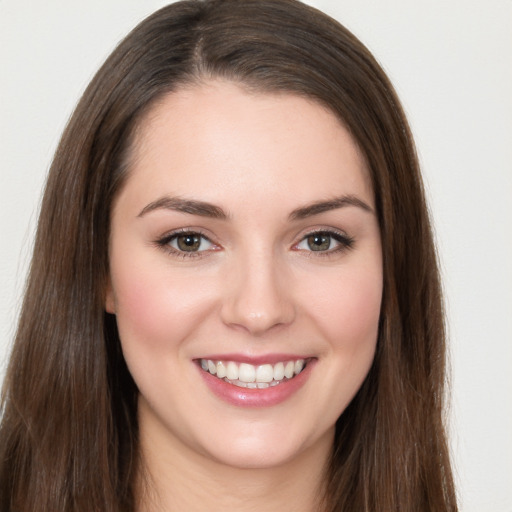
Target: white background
[[451, 62]]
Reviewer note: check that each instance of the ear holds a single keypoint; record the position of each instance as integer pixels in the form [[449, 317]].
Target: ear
[[110, 303]]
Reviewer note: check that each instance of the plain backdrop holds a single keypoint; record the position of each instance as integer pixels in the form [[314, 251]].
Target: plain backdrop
[[451, 62]]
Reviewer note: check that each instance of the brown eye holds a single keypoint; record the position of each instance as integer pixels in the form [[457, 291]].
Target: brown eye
[[319, 242], [189, 242], [327, 242]]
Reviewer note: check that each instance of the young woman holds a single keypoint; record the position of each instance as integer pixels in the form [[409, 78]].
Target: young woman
[[234, 299]]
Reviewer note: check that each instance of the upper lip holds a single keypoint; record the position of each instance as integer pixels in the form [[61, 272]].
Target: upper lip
[[256, 359]]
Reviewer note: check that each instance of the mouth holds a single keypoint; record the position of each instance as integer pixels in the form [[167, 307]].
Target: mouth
[[245, 375]]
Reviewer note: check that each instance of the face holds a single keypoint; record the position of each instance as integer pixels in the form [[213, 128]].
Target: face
[[246, 274]]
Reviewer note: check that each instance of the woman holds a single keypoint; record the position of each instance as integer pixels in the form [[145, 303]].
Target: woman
[[234, 298]]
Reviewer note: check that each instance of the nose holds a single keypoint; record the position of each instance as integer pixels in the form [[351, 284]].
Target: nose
[[258, 296]]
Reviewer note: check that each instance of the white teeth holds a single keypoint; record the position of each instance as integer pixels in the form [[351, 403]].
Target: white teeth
[[247, 372], [250, 376], [232, 372], [289, 369], [221, 370], [279, 371], [265, 373]]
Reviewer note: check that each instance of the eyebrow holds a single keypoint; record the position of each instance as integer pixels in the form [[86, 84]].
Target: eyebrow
[[204, 209], [332, 204], [185, 206]]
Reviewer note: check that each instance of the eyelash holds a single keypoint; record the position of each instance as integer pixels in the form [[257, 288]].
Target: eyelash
[[345, 243]]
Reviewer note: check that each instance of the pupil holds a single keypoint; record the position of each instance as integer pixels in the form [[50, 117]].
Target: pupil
[[319, 242], [189, 242]]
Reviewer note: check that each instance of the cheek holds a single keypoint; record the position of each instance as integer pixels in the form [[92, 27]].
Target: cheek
[[348, 313], [156, 309], [349, 320]]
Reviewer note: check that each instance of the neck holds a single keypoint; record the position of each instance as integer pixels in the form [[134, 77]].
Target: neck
[[177, 479]]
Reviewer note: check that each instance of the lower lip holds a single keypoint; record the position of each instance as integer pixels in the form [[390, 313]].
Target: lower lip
[[266, 397]]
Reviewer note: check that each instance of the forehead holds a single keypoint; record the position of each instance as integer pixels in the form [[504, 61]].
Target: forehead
[[218, 139]]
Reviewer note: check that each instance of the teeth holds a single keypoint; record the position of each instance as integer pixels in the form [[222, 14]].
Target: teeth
[[232, 373], [289, 369], [279, 371], [221, 370], [265, 373], [250, 376], [247, 373]]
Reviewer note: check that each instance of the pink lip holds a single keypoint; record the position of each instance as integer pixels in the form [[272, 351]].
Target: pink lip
[[245, 397]]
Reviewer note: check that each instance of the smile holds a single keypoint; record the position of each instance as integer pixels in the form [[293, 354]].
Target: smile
[[250, 376]]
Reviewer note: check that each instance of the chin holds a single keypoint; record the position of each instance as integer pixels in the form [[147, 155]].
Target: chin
[[264, 449]]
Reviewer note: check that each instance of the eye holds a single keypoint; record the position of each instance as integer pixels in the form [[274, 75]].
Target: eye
[[186, 243], [325, 241], [190, 242]]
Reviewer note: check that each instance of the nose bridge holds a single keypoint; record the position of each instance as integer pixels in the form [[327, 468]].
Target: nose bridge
[[257, 297]]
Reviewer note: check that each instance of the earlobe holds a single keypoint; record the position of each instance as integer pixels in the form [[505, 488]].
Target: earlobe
[[110, 303]]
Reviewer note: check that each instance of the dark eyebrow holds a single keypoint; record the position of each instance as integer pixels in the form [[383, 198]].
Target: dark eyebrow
[[186, 206], [331, 204], [205, 209]]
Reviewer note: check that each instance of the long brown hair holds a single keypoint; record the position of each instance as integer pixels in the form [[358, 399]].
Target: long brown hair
[[68, 437]]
